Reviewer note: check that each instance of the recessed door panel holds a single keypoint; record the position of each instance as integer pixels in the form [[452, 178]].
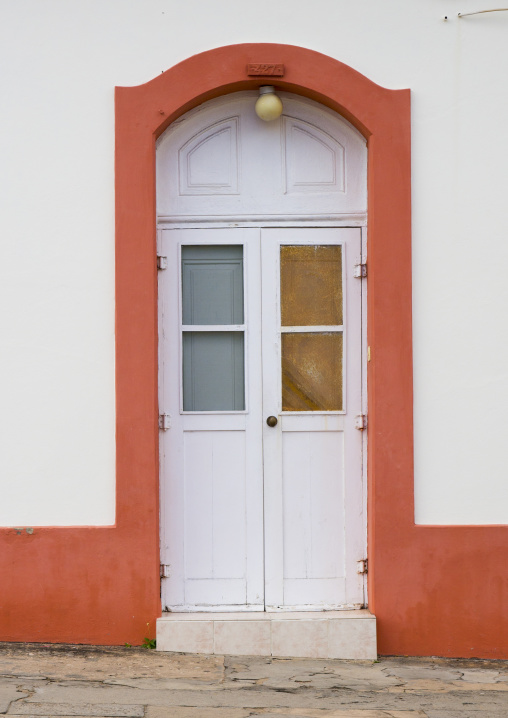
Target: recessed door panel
[[214, 465], [313, 491]]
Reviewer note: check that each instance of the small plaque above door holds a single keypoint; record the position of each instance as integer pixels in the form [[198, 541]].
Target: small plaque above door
[[265, 69]]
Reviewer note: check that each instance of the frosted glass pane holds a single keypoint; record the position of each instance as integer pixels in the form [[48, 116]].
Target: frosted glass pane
[[312, 372], [311, 285], [213, 373], [212, 284]]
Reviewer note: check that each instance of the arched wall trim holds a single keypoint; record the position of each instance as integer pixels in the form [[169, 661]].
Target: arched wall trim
[[435, 590]]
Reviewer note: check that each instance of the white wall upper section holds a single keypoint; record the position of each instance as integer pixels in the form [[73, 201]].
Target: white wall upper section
[[60, 62]]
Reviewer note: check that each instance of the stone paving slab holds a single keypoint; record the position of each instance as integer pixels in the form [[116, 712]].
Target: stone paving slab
[[66, 709], [190, 712], [282, 713], [105, 663], [9, 692], [85, 681], [157, 684], [280, 674], [279, 713], [436, 686], [261, 698]]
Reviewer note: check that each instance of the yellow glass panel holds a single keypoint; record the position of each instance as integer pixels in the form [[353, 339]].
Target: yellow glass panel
[[311, 285], [312, 372]]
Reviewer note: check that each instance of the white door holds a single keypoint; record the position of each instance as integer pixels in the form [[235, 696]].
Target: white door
[[212, 470], [260, 339]]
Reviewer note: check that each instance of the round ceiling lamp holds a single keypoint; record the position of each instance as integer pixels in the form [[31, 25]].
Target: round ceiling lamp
[[268, 105]]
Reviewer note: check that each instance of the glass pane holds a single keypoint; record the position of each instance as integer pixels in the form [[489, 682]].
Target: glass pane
[[311, 285], [213, 375], [312, 372], [212, 284]]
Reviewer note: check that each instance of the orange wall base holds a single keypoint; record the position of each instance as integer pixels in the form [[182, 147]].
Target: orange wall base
[[435, 590], [443, 592], [79, 585]]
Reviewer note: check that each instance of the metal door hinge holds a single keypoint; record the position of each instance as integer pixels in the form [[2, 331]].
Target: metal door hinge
[[362, 566], [361, 422], [164, 570], [164, 422], [360, 270], [162, 262]]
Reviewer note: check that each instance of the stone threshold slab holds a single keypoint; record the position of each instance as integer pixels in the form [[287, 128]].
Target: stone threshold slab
[[316, 634]]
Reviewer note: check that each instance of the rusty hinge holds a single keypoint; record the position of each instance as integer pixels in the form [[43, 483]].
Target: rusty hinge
[[162, 262], [361, 422], [164, 422], [360, 270], [362, 566], [164, 570]]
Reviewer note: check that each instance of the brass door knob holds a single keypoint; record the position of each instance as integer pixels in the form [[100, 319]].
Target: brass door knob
[[272, 421]]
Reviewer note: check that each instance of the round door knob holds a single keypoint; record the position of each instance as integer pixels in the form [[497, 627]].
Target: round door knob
[[272, 421]]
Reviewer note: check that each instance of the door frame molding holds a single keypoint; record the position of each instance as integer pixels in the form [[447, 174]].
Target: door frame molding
[[383, 117]]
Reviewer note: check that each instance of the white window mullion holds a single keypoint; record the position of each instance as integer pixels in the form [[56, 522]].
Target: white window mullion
[[213, 327]]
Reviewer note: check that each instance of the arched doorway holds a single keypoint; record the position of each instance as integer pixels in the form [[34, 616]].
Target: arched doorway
[[383, 117], [260, 229]]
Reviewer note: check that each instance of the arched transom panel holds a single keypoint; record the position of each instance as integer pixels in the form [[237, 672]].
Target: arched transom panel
[[221, 160]]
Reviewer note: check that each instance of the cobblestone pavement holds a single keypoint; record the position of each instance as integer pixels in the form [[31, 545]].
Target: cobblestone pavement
[[45, 680]]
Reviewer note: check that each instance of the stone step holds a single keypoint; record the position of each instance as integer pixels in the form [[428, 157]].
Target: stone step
[[326, 634]]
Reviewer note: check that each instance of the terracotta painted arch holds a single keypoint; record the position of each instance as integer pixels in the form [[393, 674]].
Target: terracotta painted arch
[[435, 590]]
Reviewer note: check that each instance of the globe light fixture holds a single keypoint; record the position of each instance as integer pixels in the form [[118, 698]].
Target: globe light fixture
[[268, 105]]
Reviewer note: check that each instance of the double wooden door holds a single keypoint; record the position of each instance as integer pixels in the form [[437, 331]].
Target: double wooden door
[[261, 462]]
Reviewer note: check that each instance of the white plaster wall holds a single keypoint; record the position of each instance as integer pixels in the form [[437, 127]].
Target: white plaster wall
[[57, 450]]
